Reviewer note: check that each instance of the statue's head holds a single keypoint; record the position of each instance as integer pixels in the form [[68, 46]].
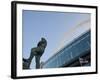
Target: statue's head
[[43, 39]]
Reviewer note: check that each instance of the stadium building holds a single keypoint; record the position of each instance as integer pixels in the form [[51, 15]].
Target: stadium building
[[76, 53]]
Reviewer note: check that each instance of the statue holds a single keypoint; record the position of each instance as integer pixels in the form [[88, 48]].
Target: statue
[[37, 52]]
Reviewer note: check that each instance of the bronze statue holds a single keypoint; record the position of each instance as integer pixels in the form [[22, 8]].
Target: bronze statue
[[37, 52]]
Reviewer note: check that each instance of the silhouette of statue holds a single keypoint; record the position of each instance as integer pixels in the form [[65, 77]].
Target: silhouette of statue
[[37, 52]]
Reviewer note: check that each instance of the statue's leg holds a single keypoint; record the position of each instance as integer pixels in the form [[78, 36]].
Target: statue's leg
[[31, 57], [33, 52], [37, 60]]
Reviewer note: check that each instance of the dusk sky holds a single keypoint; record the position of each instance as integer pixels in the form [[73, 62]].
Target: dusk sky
[[47, 24]]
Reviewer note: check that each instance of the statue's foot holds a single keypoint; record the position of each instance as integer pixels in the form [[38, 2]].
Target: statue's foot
[[25, 60]]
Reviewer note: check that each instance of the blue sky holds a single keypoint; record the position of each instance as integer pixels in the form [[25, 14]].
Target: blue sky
[[48, 24]]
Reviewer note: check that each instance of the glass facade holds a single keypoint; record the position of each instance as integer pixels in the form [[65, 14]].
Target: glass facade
[[79, 47]]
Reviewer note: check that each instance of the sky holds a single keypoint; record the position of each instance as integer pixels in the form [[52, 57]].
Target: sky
[[50, 25]]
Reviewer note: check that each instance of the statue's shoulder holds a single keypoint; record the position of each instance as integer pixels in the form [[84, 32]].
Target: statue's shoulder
[[33, 48]]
